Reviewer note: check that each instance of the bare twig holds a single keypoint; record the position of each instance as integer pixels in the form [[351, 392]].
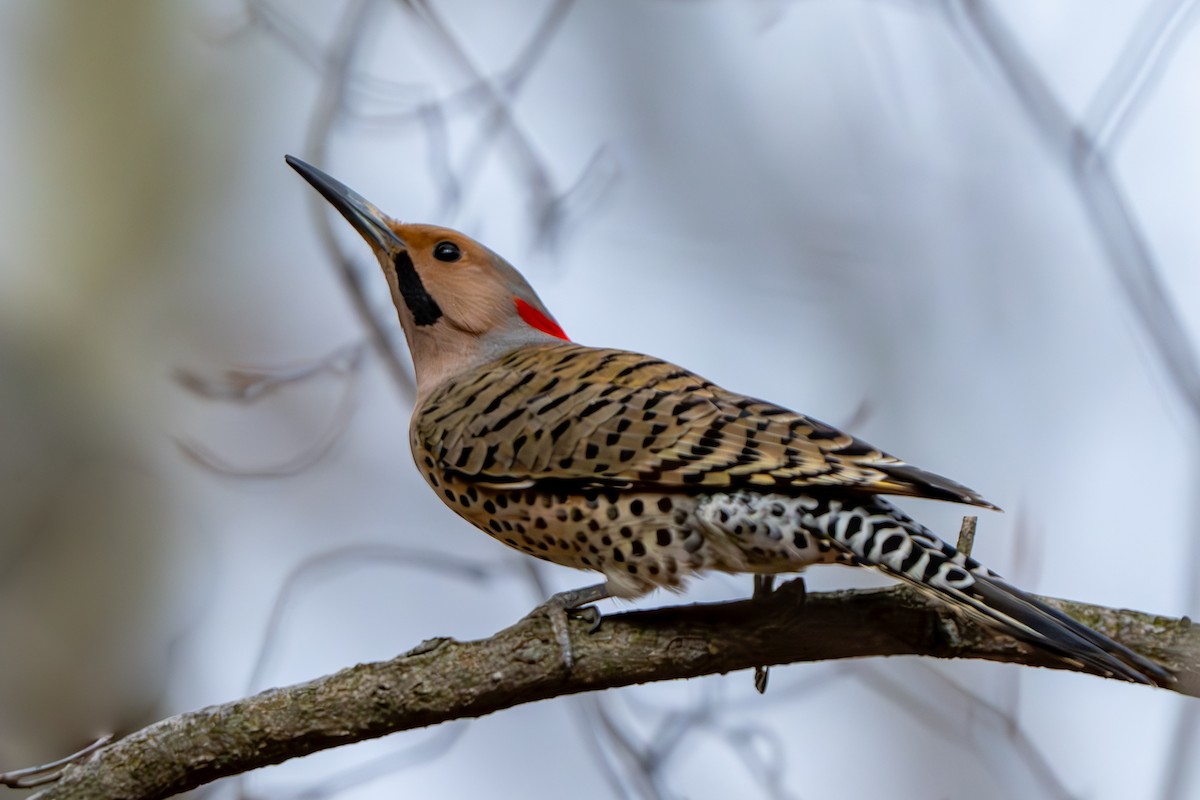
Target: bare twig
[[445, 680], [942, 715], [250, 385], [348, 557], [1156, 38], [1080, 147], [966, 535], [498, 122], [330, 103], [41, 774]]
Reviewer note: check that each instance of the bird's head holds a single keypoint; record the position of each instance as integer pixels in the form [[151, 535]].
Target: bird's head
[[460, 304]]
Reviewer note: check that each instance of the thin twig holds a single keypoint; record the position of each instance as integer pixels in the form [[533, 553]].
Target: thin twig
[[966, 536], [251, 385], [334, 79], [1155, 40], [1079, 149], [41, 774], [941, 717]]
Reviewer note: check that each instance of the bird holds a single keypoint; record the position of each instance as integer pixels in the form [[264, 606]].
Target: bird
[[638, 469]]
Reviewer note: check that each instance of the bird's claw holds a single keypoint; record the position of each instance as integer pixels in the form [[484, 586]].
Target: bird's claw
[[573, 603], [589, 614]]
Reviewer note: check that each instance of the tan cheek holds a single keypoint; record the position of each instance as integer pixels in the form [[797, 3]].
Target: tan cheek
[[472, 298]]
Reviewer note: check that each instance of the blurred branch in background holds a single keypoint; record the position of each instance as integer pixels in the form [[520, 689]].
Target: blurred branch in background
[[1085, 150], [348, 94], [482, 113], [939, 703], [442, 680], [336, 563], [250, 385], [482, 101]]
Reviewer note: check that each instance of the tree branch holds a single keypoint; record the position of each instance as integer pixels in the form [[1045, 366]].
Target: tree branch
[[442, 679]]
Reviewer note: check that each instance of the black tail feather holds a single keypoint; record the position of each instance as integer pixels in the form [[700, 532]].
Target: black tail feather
[[1026, 618], [880, 535]]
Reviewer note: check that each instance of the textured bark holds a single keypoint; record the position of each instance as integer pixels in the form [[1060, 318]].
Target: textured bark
[[443, 679]]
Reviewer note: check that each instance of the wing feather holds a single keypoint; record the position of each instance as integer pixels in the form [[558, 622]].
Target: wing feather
[[568, 413]]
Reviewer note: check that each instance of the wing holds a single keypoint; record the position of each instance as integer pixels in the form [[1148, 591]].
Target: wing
[[568, 413]]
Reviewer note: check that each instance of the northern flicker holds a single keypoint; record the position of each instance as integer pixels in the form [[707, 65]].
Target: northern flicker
[[638, 469]]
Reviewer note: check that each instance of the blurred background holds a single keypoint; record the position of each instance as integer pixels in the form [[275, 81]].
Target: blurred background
[[965, 229]]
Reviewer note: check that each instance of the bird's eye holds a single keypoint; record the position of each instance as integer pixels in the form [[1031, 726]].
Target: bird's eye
[[446, 251]]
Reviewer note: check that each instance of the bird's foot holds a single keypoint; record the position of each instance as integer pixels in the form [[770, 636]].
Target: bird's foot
[[573, 602]]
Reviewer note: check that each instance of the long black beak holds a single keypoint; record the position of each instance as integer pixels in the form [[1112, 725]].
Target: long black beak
[[368, 220], [372, 224]]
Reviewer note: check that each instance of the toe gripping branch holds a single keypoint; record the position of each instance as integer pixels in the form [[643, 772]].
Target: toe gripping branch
[[571, 601]]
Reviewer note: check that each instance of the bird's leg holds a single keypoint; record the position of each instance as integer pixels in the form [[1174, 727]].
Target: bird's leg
[[763, 586], [556, 608]]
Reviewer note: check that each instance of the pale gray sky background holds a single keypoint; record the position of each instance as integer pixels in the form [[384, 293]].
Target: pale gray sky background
[[891, 213]]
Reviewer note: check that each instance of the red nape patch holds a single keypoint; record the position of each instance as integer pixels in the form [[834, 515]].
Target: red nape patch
[[538, 320]]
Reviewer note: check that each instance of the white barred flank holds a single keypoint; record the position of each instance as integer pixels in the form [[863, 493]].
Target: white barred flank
[[870, 531]]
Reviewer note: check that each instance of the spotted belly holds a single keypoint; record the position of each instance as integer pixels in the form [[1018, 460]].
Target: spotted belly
[[639, 541]]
